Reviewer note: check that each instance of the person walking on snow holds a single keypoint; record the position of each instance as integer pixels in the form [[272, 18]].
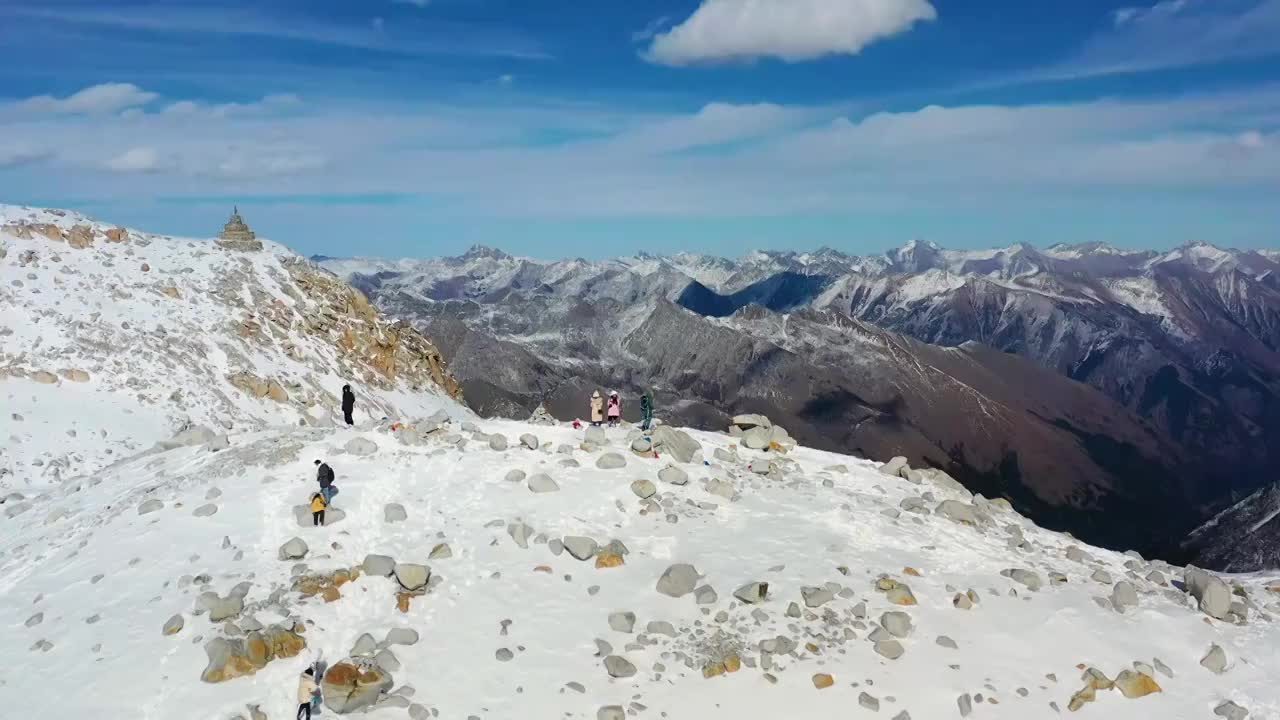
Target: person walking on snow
[[318, 504], [646, 410], [324, 476], [615, 408], [348, 404], [597, 408], [307, 689]]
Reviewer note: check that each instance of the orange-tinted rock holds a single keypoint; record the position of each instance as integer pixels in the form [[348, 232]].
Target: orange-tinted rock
[[823, 681], [609, 560]]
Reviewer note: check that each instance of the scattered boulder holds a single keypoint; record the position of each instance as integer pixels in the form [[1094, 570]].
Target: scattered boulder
[[402, 636], [1230, 711], [816, 597], [705, 595], [205, 510], [594, 435], [150, 506], [515, 476], [896, 467], [498, 442], [891, 649], [619, 667], [752, 593], [361, 446], [822, 681], [353, 684], [394, 513], [1214, 594], [611, 461], [1215, 661], [673, 475], [678, 580], [441, 551], [173, 625], [1029, 578], [529, 440], [412, 577], [749, 421], [679, 445], [757, 438], [542, 483], [378, 565], [294, 549], [623, 622], [896, 623], [581, 548], [611, 712], [332, 516], [1135, 684], [643, 489], [957, 511], [1124, 595]]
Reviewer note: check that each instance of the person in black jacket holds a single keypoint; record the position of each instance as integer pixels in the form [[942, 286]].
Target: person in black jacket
[[348, 404], [324, 476]]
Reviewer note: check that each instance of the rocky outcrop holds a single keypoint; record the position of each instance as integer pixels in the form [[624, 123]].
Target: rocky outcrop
[[230, 658], [354, 684]]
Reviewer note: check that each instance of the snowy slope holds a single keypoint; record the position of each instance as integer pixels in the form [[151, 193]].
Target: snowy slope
[[127, 337], [86, 584]]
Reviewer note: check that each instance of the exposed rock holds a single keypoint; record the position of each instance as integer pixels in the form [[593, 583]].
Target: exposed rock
[[1215, 660], [542, 483], [498, 442], [643, 489], [412, 577], [205, 510], [897, 624], [611, 712], [623, 621], [1214, 594], [752, 593], [581, 548], [378, 565], [816, 597], [1124, 595], [441, 551], [1028, 578], [896, 467], [611, 461], [515, 476], [673, 475], [173, 625], [679, 445], [957, 511], [351, 685], [394, 513], [891, 649], [1230, 711], [619, 667], [294, 549], [150, 506], [1136, 684], [705, 595], [529, 440], [678, 580]]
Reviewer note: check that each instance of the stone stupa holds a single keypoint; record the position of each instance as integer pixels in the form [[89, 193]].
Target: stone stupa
[[236, 235]]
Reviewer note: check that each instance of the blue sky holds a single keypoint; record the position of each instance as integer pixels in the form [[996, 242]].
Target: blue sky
[[556, 128]]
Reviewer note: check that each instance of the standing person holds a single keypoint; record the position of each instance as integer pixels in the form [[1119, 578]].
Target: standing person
[[646, 410], [348, 404], [324, 476], [307, 688], [597, 408], [615, 408], [318, 504]]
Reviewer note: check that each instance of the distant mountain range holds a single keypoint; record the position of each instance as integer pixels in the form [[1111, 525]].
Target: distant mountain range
[[1124, 395]]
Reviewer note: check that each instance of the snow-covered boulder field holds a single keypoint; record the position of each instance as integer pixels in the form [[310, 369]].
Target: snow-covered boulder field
[[472, 578]]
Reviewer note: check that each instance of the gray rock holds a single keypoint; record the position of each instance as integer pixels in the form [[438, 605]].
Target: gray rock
[[623, 621], [150, 506], [412, 577], [529, 440], [1124, 595], [1075, 554], [643, 489], [946, 642], [897, 623], [757, 438], [957, 511], [1029, 578], [219, 442], [896, 467], [705, 595], [542, 483], [515, 476], [581, 548], [520, 533], [442, 551], [504, 655], [294, 549], [679, 445], [1215, 660], [673, 475], [394, 513], [660, 627], [891, 649], [869, 702], [1101, 576], [1230, 711], [498, 442], [1214, 594], [361, 446], [555, 546], [611, 712], [302, 516], [378, 565], [611, 461], [402, 636], [752, 592], [619, 667], [816, 597], [365, 646], [1164, 669], [419, 712], [38, 618], [595, 435], [603, 648], [965, 703], [172, 626], [205, 510], [678, 580]]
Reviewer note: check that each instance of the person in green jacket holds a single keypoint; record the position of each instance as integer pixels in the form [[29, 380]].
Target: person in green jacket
[[646, 409]]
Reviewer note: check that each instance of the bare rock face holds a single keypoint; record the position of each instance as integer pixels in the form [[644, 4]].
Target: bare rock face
[[239, 657], [353, 685], [80, 237], [117, 235]]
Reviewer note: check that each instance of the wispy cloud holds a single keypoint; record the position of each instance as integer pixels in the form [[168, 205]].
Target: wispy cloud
[[1172, 34], [137, 160], [278, 22], [104, 98], [792, 30]]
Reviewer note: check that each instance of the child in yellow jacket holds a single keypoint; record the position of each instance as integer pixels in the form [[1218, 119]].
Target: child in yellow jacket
[[317, 509]]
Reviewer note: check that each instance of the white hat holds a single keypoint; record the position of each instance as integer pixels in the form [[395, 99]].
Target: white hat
[[613, 392]]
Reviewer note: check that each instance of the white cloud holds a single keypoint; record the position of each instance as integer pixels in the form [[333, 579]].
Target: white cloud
[[793, 30], [98, 99], [137, 160], [506, 80], [648, 31], [268, 104]]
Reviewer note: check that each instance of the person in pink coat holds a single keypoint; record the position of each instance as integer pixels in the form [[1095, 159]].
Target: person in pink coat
[[615, 408]]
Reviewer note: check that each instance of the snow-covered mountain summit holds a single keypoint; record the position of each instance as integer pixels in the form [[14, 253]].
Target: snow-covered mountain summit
[[501, 570], [153, 333]]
